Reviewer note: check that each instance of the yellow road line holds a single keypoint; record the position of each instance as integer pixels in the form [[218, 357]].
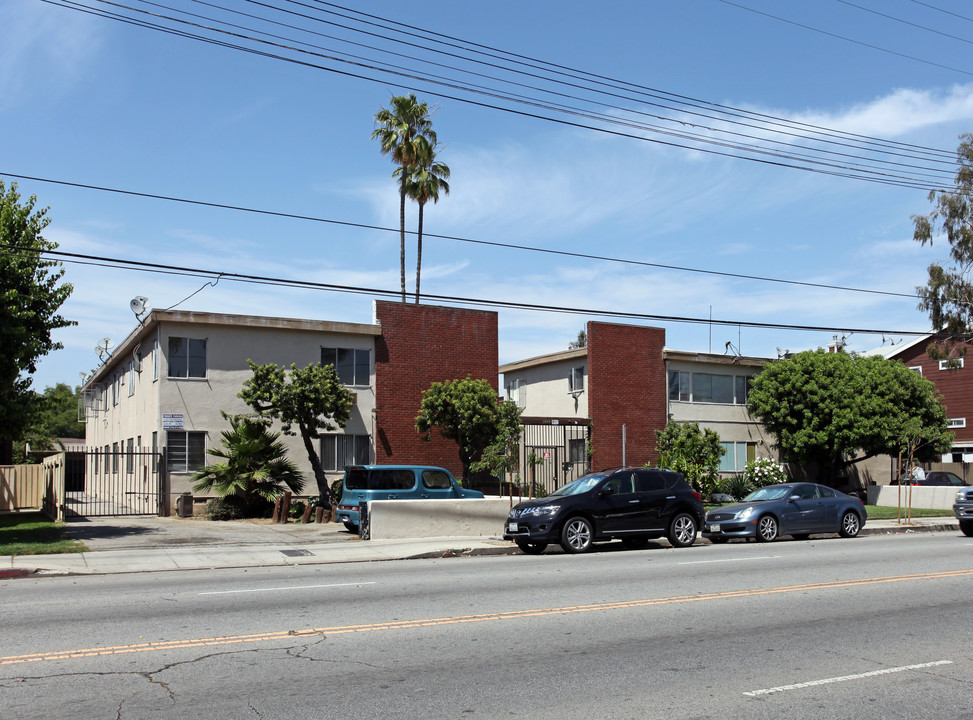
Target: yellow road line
[[488, 617]]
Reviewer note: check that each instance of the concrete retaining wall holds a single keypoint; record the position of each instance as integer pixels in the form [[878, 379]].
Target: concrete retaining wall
[[939, 498], [395, 519]]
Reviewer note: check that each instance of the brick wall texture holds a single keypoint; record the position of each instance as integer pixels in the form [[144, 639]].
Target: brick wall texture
[[627, 386], [419, 345]]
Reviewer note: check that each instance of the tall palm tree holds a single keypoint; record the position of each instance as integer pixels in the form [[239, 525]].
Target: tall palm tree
[[426, 181], [405, 133]]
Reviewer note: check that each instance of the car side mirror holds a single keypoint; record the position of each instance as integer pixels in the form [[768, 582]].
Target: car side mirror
[[793, 497], [606, 491]]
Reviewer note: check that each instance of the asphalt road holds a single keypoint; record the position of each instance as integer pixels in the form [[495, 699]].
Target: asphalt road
[[872, 627]]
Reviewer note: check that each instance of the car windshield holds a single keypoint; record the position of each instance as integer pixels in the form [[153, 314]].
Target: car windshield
[[580, 485], [774, 492]]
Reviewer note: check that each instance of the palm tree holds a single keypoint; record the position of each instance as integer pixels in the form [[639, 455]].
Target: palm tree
[[255, 465], [426, 181], [405, 133]]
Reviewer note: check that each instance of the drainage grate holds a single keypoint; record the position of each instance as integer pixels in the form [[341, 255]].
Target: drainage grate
[[297, 553]]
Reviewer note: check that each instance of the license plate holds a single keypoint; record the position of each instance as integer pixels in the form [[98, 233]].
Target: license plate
[[714, 528], [512, 527]]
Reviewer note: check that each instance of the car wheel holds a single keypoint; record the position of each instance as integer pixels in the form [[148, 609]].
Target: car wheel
[[967, 527], [767, 529], [351, 527], [635, 543], [851, 524], [531, 548], [576, 535], [801, 536], [682, 530]]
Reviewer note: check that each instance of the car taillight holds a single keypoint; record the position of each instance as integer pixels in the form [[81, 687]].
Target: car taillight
[[697, 496]]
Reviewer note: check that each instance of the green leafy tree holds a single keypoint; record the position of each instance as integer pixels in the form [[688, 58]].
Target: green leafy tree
[[469, 413], [581, 342], [948, 293], [405, 134], [832, 410], [55, 416], [31, 293], [253, 465], [313, 400], [427, 179], [693, 451]]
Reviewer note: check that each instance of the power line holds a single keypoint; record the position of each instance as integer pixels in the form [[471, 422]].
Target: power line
[[120, 263], [884, 172], [492, 243]]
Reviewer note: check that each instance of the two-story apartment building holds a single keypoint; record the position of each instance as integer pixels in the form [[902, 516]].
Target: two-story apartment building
[[166, 386], [600, 405]]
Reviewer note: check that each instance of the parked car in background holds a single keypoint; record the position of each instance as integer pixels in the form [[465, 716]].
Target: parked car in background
[[796, 509], [936, 478], [364, 483], [963, 510], [633, 504]]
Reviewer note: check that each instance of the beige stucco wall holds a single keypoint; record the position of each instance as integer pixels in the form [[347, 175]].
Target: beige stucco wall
[[547, 392]]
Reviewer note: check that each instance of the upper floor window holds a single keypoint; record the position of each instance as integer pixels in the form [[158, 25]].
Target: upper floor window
[[957, 422], [352, 365], [951, 364], [131, 378], [187, 357], [576, 379], [516, 391], [708, 387]]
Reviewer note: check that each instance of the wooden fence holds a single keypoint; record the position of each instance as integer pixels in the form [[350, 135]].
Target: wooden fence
[[34, 487]]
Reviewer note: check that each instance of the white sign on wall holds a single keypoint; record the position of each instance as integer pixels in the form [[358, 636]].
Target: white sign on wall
[[172, 421]]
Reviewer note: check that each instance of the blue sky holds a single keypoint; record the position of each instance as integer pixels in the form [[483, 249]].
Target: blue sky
[[97, 102]]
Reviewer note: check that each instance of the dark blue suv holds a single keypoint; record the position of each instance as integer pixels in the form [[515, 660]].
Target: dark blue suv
[[633, 504]]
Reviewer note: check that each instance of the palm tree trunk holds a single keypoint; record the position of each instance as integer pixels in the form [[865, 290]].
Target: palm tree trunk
[[402, 234], [419, 252]]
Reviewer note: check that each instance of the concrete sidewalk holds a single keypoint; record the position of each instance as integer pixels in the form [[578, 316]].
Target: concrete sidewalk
[[152, 544]]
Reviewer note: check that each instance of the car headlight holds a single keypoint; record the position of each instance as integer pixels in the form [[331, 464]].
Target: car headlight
[[961, 496], [745, 514], [542, 510]]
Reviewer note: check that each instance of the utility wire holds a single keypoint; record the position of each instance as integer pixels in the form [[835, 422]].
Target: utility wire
[[510, 246], [120, 263], [734, 150]]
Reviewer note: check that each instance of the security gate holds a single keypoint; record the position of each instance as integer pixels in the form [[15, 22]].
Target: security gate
[[113, 481], [553, 452]]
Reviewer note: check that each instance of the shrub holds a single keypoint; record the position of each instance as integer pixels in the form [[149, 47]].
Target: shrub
[[230, 507], [297, 509], [736, 486], [764, 471]]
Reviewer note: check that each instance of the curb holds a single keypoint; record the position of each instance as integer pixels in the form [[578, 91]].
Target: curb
[[14, 573]]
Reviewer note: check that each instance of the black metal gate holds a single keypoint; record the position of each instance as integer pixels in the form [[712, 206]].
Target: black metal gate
[[110, 482], [553, 452]]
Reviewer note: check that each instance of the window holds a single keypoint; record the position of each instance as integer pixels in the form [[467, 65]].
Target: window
[[187, 450], [708, 388], [436, 480], [114, 391], [155, 452], [951, 364], [576, 450], [131, 378], [916, 369], [576, 379], [114, 458], [352, 366], [187, 357], [516, 390], [339, 451], [957, 422], [155, 359], [737, 455], [130, 456]]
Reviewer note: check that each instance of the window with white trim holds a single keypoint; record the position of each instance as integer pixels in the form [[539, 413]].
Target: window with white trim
[[187, 357], [516, 391], [957, 422], [708, 387], [186, 450], [916, 369], [576, 379], [341, 450], [131, 378], [352, 365], [951, 364]]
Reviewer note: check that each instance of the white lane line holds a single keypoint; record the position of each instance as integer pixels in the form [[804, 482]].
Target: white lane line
[[292, 587], [756, 557], [859, 676]]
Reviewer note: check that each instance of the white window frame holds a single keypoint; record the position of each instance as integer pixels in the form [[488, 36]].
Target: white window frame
[[576, 379], [916, 369], [956, 423], [947, 364], [516, 389]]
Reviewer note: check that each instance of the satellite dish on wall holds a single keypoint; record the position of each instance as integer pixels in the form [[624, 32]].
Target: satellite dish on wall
[[139, 305], [102, 348]]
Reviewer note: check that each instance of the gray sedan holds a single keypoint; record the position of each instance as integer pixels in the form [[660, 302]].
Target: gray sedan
[[797, 509]]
